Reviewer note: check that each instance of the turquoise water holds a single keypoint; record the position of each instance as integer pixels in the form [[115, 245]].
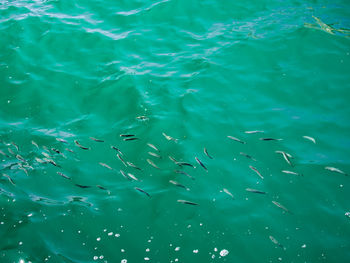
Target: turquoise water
[[182, 76]]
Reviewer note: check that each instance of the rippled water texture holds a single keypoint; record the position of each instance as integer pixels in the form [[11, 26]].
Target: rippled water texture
[[179, 76]]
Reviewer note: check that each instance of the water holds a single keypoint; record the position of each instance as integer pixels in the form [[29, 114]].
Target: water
[[198, 72]]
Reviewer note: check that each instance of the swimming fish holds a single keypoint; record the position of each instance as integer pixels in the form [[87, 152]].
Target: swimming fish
[[142, 191], [133, 165], [4, 154], [46, 155], [115, 148], [96, 140], [35, 144], [255, 170], [130, 139], [153, 147], [187, 202], [270, 139], [69, 150], [61, 140], [228, 192], [280, 206], [51, 161], [154, 154], [289, 172], [184, 164], [201, 164], [10, 151], [275, 241], [126, 135], [173, 159], [152, 163], [101, 187], [247, 155], [132, 177], [82, 186], [24, 170], [254, 191], [182, 172], [206, 153], [80, 146], [16, 146], [252, 132], [9, 178], [285, 156], [178, 184], [310, 139], [40, 160], [142, 118], [121, 159], [169, 138], [64, 176], [124, 174], [20, 158], [236, 139], [106, 165], [333, 169]]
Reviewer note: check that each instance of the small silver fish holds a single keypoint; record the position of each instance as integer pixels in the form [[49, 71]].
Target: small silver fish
[[64, 176], [173, 159], [333, 169], [187, 202], [133, 177], [142, 118], [10, 151], [96, 140], [228, 192], [133, 165], [169, 138], [20, 158], [153, 147], [280, 206], [275, 241], [142, 191], [152, 163], [185, 164], [39, 160], [254, 191], [80, 146], [182, 172], [201, 164], [236, 139], [178, 184], [121, 159], [46, 155], [252, 132], [69, 150], [35, 144], [24, 170], [310, 139], [4, 154], [289, 172], [206, 153], [15, 145], [106, 165], [247, 155], [124, 174], [154, 154], [9, 178], [256, 170], [115, 148], [61, 140], [285, 156]]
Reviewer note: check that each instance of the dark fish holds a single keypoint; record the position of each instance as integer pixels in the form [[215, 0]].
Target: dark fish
[[247, 155], [255, 170], [101, 187], [207, 154], [55, 150], [152, 146], [9, 178], [133, 165], [63, 175], [82, 186], [184, 164], [16, 146], [187, 202], [142, 118], [236, 139], [142, 191], [96, 140], [61, 140], [201, 164], [126, 135], [79, 145], [130, 139], [115, 148], [124, 174], [254, 191], [269, 139], [121, 159], [178, 184], [173, 159], [182, 172], [4, 154], [69, 150]]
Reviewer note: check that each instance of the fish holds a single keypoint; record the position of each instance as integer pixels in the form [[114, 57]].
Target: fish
[[61, 140], [80, 146], [187, 202], [10, 151], [275, 241], [142, 191], [126, 135], [182, 172], [20, 158], [4, 154], [121, 159], [285, 156], [184, 164], [130, 139], [255, 170], [289, 155], [142, 118], [252, 132], [39, 160], [15, 145], [173, 159], [290, 172], [154, 154], [228, 192], [206, 153], [236, 139], [178, 184], [24, 170], [255, 191], [247, 155], [9, 178], [35, 144], [115, 148], [133, 165], [132, 177], [63, 175], [106, 165], [270, 139], [169, 138], [51, 161], [280, 206], [333, 169], [96, 140], [324, 26], [101, 187], [46, 155], [124, 174], [201, 164], [57, 151], [152, 163], [310, 139], [82, 186], [69, 150], [153, 147]]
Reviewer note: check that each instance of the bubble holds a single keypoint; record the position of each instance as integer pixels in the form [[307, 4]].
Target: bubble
[[98, 239], [303, 246], [224, 252], [95, 257], [177, 248], [123, 261], [347, 214], [195, 251], [110, 233], [146, 258]]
